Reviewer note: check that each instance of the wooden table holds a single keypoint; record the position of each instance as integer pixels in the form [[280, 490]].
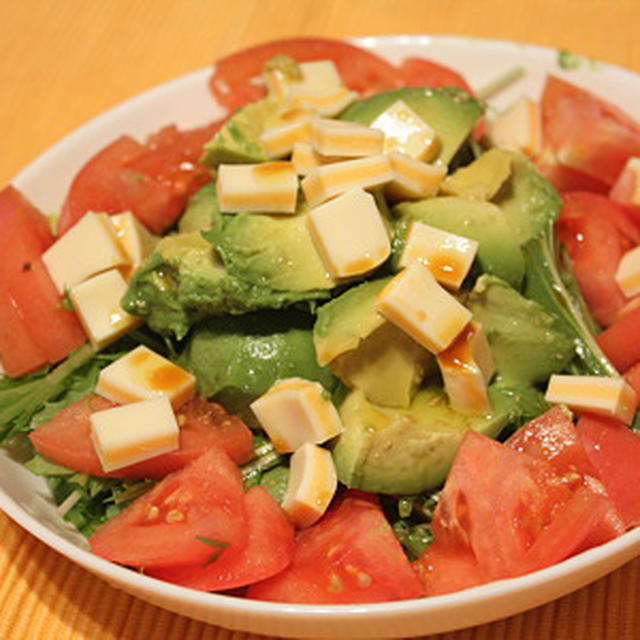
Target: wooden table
[[65, 61]]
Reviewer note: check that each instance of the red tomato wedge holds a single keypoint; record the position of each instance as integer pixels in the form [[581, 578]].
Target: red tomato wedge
[[18, 351], [632, 376], [350, 556], [420, 72], [268, 551], [586, 132], [188, 518], [621, 341], [56, 331], [66, 439], [591, 228], [553, 437], [153, 180], [614, 450], [565, 178], [236, 79]]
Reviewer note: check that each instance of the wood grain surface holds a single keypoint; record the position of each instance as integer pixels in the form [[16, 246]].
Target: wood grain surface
[[64, 61]]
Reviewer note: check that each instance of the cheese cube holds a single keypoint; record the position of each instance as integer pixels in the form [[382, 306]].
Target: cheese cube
[[278, 141], [312, 484], [413, 180], [416, 303], [271, 187], [467, 366], [135, 239], [612, 397], [97, 303], [339, 177], [519, 127], [328, 103], [627, 185], [89, 247], [133, 433], [295, 411], [448, 256], [348, 139], [143, 374], [628, 273], [305, 158], [405, 131], [349, 234], [316, 76]]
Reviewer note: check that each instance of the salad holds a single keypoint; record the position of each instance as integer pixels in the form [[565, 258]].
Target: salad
[[326, 445]]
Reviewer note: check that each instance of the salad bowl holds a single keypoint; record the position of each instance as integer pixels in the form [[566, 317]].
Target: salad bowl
[[187, 102]]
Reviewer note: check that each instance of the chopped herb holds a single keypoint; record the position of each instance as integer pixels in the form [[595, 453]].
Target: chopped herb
[[219, 545], [286, 65], [570, 61]]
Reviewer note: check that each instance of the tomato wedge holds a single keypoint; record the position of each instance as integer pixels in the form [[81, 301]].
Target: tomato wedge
[[66, 439], [350, 556], [420, 72], [268, 551], [621, 341], [190, 517], [236, 79]]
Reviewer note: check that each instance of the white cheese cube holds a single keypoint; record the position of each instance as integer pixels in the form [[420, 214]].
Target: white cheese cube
[[97, 303], [278, 141], [89, 247], [448, 256], [413, 180], [627, 185], [348, 139], [467, 366], [415, 302], [339, 177], [317, 76], [349, 234], [405, 131], [328, 103], [519, 128], [628, 273], [143, 374], [612, 397], [270, 187], [135, 239], [312, 484], [295, 411], [133, 433], [305, 158]]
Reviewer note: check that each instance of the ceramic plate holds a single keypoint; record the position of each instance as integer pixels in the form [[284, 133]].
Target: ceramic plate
[[187, 102]]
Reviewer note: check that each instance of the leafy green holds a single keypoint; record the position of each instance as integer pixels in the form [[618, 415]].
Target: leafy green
[[219, 545]]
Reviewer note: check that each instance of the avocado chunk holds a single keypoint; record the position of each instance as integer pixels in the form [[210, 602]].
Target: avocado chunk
[[237, 359], [407, 451], [346, 320], [499, 250], [526, 346], [450, 112], [388, 366], [480, 180], [202, 210]]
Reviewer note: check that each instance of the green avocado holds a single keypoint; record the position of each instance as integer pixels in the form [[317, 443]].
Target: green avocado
[[202, 210], [450, 112], [237, 359], [407, 451], [525, 345], [480, 180], [499, 250]]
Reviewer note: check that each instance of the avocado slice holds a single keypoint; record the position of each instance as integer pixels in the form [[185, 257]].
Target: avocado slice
[[499, 251], [202, 210], [450, 112], [526, 346], [480, 180], [407, 451]]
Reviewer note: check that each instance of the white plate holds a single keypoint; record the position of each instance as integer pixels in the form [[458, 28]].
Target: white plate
[[187, 102]]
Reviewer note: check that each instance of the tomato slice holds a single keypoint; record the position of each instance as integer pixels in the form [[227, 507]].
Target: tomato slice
[[236, 79], [268, 551], [66, 439], [632, 376], [590, 227], [621, 341], [587, 133], [350, 556], [188, 518], [566, 178], [420, 72], [553, 437], [614, 450]]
